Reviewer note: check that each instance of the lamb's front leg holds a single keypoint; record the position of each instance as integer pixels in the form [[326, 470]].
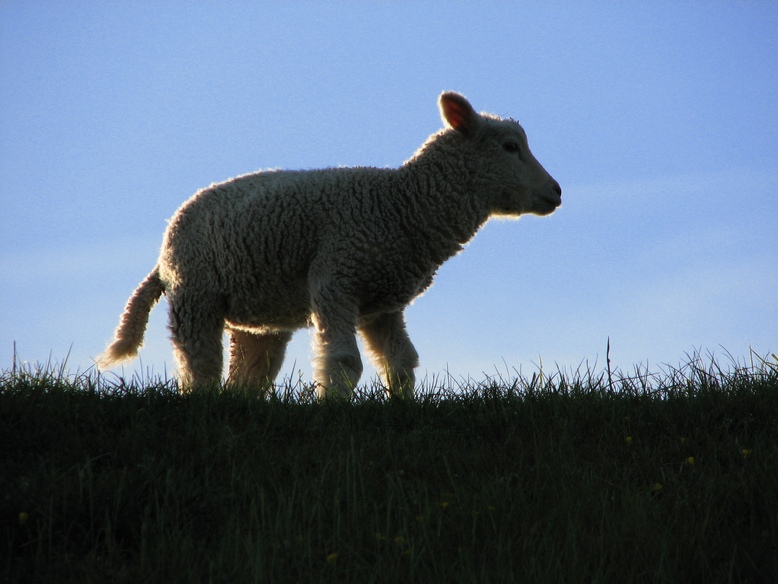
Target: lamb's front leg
[[337, 366], [392, 352]]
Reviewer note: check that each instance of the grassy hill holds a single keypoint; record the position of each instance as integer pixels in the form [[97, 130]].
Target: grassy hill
[[582, 477]]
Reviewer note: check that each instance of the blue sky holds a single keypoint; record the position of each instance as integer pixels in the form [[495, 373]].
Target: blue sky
[[658, 119]]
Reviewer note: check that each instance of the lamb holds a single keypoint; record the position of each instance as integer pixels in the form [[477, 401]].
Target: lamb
[[344, 250]]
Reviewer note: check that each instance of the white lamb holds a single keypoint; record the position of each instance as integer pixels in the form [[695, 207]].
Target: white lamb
[[342, 249]]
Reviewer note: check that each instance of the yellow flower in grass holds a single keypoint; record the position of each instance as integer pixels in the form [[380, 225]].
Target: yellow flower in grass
[[332, 557], [656, 487], [745, 453], [628, 440], [690, 461], [23, 518], [399, 540]]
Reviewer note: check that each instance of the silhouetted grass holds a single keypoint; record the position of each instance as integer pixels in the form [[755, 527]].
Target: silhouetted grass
[[572, 477]]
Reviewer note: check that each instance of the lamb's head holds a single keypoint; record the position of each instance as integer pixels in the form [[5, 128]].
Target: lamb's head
[[496, 150]]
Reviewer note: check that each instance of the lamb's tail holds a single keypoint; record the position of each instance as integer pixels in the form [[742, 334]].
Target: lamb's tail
[[129, 334]]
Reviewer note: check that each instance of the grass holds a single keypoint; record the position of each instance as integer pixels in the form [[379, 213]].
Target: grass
[[577, 477]]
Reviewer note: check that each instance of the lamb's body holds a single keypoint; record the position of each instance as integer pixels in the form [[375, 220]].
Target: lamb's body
[[268, 261], [341, 249]]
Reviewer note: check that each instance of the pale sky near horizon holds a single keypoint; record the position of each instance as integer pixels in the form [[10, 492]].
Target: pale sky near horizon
[[658, 119]]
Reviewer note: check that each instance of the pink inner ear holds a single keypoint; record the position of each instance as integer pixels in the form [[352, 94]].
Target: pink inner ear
[[458, 113], [454, 113]]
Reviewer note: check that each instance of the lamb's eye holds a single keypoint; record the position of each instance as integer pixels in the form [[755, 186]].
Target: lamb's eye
[[513, 147]]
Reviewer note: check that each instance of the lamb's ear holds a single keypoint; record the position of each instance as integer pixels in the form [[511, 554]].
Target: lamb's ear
[[457, 112]]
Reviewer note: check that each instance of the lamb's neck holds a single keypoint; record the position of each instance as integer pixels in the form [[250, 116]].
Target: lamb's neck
[[446, 202]]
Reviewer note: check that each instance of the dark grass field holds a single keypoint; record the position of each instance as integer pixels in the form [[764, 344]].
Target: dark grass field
[[582, 477]]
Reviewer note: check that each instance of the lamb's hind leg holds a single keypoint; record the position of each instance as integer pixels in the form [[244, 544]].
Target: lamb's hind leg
[[337, 366], [392, 352], [197, 329], [256, 359]]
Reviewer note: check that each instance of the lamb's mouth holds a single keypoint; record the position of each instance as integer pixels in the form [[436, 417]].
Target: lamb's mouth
[[546, 204]]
